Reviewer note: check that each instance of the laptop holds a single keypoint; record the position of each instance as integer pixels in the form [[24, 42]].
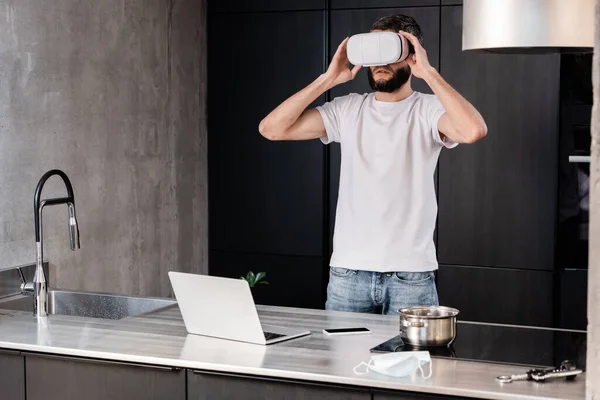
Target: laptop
[[224, 308]]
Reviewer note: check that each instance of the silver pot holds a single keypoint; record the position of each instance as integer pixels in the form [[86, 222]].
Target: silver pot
[[424, 326]]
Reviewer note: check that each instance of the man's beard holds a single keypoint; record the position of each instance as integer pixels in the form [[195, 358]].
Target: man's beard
[[399, 78]]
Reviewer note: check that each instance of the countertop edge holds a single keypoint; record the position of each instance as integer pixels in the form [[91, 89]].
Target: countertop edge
[[267, 372]]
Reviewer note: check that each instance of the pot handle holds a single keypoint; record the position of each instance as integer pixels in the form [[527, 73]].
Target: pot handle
[[410, 324]]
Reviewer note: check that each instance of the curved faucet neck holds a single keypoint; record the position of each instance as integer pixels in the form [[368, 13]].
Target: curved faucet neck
[[38, 204]]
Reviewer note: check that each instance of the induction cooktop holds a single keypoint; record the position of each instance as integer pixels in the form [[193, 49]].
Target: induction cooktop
[[505, 344]]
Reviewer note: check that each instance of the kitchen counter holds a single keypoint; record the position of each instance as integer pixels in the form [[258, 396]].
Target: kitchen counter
[[160, 338]]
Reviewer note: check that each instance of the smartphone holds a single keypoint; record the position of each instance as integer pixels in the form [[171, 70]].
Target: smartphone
[[346, 331], [394, 344]]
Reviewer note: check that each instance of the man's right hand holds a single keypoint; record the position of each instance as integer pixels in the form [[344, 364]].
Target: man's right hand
[[339, 70]]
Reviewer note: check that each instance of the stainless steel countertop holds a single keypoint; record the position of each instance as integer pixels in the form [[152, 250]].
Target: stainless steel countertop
[[160, 338]]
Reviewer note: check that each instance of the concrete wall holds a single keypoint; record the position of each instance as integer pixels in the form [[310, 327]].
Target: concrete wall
[[113, 93], [593, 342]]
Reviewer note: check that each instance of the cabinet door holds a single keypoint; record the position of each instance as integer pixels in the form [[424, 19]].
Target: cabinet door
[[500, 295], [498, 197], [573, 298], [388, 395], [65, 378], [212, 386], [264, 197], [381, 3], [236, 6], [12, 375], [348, 22], [293, 281]]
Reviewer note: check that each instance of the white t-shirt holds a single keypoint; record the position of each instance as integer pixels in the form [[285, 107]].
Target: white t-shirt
[[386, 207]]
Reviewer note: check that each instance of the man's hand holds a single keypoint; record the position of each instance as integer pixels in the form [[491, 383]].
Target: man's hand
[[461, 122], [339, 70], [418, 62]]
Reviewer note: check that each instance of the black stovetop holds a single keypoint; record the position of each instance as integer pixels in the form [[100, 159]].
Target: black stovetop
[[506, 344]]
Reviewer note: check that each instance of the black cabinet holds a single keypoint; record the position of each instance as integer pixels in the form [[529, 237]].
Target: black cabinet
[[498, 198], [388, 395], [12, 375], [499, 295], [272, 204], [221, 6], [293, 281], [573, 298], [264, 197], [337, 4], [213, 386], [66, 378], [348, 22]]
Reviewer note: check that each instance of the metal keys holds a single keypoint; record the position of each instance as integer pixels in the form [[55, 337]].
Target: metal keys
[[512, 378], [567, 369]]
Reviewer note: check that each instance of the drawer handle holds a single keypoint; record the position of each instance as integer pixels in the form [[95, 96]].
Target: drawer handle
[[580, 159], [106, 362]]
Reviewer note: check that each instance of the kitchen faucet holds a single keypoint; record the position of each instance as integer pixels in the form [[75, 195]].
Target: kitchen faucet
[[39, 286]]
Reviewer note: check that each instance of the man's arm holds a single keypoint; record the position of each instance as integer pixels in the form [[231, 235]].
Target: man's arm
[[291, 120], [461, 122]]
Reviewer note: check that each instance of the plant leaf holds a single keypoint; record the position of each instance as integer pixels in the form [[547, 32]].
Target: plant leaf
[[263, 283], [241, 277], [260, 275]]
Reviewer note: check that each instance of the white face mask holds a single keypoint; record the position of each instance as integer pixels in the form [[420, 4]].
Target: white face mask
[[397, 364]]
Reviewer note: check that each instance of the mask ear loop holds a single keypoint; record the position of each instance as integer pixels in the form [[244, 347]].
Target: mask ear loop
[[361, 364], [430, 370]]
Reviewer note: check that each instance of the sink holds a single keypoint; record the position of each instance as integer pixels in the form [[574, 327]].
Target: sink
[[91, 305]]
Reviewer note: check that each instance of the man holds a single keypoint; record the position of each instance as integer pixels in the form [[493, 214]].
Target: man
[[383, 257]]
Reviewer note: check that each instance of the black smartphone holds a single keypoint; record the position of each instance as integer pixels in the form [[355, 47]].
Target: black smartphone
[[394, 344], [346, 331]]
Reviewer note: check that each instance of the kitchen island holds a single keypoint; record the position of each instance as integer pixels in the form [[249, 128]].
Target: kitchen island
[[151, 356]]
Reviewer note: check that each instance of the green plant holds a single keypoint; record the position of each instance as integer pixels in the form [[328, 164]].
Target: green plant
[[254, 280]]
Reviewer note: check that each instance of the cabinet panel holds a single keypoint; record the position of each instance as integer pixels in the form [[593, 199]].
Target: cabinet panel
[[293, 281], [235, 6], [335, 4], [12, 375], [573, 299], [212, 386], [384, 395], [264, 196], [499, 295], [498, 197], [348, 22], [64, 378]]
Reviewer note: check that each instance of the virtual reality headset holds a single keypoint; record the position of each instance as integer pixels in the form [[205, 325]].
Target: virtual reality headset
[[377, 48]]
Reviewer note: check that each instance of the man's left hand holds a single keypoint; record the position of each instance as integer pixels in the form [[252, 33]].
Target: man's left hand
[[418, 62]]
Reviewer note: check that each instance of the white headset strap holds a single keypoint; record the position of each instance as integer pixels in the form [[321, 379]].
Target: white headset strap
[[405, 47]]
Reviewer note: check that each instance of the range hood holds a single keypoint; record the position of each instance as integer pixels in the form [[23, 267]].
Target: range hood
[[529, 26]]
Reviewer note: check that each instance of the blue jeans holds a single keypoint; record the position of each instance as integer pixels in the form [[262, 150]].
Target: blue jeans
[[379, 292]]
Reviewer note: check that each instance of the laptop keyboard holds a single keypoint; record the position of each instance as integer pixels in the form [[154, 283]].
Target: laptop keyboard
[[271, 335]]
